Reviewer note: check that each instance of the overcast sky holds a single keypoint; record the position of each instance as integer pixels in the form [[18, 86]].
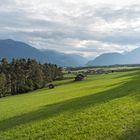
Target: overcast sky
[[86, 27]]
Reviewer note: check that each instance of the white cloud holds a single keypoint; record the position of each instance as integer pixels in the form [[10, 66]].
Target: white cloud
[[85, 27]]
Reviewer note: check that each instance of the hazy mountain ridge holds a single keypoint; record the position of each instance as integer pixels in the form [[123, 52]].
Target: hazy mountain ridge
[[14, 49], [64, 59], [132, 57], [108, 59]]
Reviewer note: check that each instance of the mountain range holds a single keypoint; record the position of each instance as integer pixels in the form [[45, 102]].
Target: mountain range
[[14, 49]]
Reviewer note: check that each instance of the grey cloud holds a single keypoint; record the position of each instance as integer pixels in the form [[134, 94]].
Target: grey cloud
[[51, 29], [126, 13]]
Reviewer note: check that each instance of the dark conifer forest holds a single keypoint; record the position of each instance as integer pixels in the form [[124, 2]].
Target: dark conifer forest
[[24, 75]]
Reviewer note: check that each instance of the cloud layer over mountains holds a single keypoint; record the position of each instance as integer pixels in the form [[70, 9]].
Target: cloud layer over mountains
[[84, 27]]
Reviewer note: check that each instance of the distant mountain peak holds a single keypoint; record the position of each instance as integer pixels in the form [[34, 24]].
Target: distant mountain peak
[[132, 57]]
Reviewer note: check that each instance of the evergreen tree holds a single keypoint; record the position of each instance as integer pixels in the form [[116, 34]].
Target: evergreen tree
[[3, 82], [21, 75]]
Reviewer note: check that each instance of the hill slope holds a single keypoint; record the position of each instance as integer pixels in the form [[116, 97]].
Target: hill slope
[[14, 49], [101, 107], [108, 59], [133, 56], [64, 59]]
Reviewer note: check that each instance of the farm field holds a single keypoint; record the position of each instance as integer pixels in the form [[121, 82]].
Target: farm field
[[101, 107]]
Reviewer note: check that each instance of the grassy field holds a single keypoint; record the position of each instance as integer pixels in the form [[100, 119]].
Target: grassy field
[[102, 107]]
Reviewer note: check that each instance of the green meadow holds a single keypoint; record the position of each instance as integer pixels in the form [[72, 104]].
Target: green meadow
[[101, 107]]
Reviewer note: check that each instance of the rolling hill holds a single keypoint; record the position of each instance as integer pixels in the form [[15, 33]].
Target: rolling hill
[[105, 107], [14, 49]]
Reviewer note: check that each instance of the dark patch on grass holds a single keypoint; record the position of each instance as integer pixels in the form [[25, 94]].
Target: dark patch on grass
[[132, 134]]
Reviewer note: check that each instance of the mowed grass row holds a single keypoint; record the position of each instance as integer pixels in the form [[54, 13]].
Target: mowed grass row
[[102, 107]]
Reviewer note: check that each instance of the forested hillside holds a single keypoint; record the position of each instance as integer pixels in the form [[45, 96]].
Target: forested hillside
[[21, 75]]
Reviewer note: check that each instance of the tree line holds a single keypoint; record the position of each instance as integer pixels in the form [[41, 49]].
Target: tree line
[[24, 75]]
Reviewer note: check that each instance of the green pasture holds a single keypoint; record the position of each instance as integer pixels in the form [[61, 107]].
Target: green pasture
[[101, 107]]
